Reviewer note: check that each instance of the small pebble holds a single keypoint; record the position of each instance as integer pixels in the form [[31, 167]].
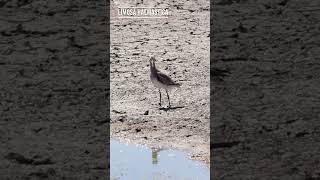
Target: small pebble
[[146, 113]]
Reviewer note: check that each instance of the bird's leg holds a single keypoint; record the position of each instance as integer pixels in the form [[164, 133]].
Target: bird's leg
[[160, 97], [168, 98]]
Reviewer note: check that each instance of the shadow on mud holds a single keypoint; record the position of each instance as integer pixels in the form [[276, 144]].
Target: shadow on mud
[[171, 108]]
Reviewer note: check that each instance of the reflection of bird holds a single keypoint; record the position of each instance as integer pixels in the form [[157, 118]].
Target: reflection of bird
[[161, 80], [155, 155]]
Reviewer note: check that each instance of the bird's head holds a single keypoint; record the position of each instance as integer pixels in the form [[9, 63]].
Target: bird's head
[[152, 59]]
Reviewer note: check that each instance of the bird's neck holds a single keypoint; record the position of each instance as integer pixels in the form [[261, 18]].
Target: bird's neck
[[153, 67]]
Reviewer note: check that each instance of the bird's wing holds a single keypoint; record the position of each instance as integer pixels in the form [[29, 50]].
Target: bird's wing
[[164, 79]]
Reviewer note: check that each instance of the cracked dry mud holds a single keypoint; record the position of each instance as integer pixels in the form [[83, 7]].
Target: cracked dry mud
[[180, 44]]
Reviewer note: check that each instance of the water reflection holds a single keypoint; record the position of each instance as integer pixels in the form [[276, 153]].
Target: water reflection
[[135, 162], [155, 155]]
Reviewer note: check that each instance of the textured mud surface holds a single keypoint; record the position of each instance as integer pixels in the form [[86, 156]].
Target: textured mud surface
[[265, 113], [180, 43], [53, 90]]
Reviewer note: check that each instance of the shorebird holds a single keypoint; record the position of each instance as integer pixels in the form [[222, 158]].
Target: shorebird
[[161, 80]]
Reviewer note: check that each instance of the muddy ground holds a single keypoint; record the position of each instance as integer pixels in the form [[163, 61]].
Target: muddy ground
[[266, 112], [53, 79], [180, 43], [53, 90]]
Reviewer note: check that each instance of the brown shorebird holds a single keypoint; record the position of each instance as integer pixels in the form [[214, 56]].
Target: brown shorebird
[[160, 80]]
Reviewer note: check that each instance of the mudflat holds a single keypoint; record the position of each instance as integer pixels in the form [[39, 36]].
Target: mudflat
[[265, 113], [53, 90], [180, 43]]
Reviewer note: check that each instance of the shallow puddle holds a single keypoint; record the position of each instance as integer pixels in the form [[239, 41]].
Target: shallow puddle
[[136, 162]]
